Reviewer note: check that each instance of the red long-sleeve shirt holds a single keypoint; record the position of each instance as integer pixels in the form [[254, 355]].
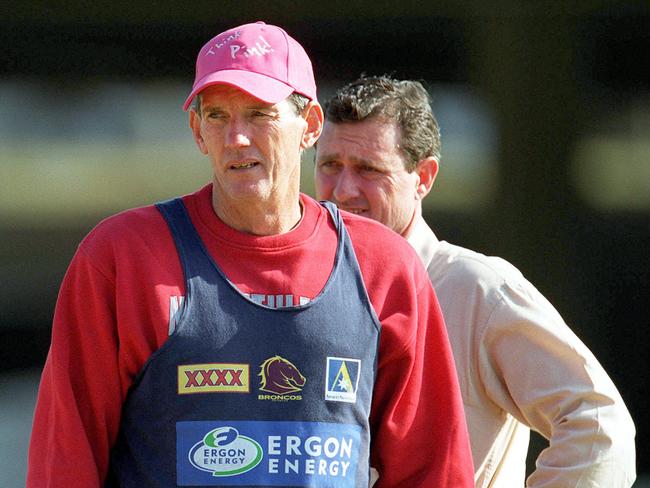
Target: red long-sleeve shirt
[[116, 306]]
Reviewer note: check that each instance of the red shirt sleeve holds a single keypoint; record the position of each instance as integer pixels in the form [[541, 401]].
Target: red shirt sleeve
[[111, 315], [80, 397], [420, 436]]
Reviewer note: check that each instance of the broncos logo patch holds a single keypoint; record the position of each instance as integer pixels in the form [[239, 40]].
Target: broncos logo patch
[[280, 377]]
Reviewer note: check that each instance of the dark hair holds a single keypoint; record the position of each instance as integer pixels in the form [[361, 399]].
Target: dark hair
[[404, 102], [298, 101]]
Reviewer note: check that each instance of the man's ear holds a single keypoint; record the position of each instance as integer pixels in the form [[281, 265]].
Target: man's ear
[[195, 125], [427, 170], [313, 114]]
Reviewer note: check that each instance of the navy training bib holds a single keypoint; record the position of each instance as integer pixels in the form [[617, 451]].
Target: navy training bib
[[242, 394]]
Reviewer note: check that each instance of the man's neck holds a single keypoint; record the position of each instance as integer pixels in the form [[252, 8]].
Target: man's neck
[[417, 212], [260, 218]]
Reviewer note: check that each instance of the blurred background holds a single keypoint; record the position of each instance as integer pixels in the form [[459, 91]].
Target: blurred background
[[545, 115]]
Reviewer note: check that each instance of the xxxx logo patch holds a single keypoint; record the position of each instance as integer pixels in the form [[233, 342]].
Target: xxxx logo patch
[[213, 378]]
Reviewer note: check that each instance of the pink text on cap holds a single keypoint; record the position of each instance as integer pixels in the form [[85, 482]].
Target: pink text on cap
[[260, 59]]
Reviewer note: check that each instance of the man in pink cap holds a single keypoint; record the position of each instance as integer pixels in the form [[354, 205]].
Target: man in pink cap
[[246, 335]]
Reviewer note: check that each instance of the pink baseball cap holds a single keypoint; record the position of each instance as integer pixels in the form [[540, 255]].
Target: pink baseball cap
[[260, 59]]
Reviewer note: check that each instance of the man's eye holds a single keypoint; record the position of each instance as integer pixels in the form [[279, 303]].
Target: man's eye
[[328, 165], [260, 114], [368, 169], [216, 115]]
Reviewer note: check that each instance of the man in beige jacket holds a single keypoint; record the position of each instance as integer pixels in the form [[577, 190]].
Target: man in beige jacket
[[520, 366]]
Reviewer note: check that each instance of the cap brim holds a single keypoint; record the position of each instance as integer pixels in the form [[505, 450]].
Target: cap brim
[[263, 87]]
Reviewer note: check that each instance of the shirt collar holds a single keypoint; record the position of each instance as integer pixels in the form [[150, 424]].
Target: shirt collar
[[423, 240]]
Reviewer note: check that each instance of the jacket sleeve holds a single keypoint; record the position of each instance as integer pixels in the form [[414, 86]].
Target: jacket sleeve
[[419, 433], [534, 367], [80, 396]]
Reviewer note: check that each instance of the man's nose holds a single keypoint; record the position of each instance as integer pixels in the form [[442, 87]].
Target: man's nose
[[238, 134], [346, 186]]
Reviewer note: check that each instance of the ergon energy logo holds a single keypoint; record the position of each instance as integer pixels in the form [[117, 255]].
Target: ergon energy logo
[[213, 378], [268, 453], [224, 452]]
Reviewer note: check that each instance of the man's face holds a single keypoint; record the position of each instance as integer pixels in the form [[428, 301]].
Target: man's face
[[254, 146], [360, 168]]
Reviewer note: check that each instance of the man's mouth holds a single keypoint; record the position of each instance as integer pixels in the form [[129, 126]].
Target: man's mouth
[[244, 165], [357, 211]]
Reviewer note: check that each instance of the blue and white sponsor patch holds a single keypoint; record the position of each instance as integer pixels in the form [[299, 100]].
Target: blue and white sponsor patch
[[342, 375], [260, 453]]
